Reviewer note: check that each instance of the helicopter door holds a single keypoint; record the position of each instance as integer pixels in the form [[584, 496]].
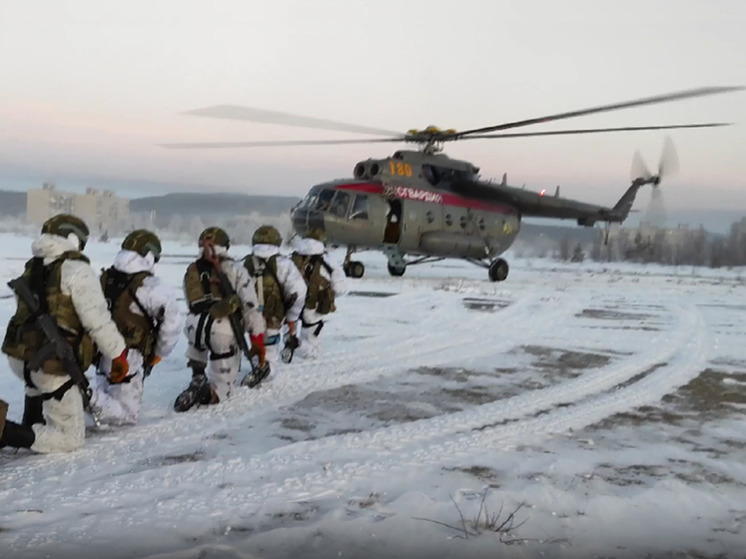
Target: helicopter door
[[393, 222]]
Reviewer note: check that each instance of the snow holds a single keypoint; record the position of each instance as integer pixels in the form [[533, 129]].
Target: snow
[[604, 401]]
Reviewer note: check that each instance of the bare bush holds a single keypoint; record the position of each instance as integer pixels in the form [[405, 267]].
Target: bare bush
[[485, 522]]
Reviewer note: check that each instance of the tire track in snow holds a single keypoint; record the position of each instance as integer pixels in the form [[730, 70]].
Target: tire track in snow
[[523, 405], [284, 466], [279, 476], [687, 359]]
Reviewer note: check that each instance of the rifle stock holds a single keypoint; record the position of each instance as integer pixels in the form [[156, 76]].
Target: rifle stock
[[56, 344]]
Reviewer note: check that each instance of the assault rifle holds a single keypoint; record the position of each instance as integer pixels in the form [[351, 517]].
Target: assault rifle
[[148, 365], [56, 346]]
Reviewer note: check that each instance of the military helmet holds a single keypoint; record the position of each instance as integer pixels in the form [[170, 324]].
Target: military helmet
[[216, 235], [316, 233], [142, 242], [266, 235], [64, 224]]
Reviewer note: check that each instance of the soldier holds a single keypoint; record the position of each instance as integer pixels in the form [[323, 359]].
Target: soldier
[[70, 293], [209, 327], [147, 314], [325, 280], [280, 288]]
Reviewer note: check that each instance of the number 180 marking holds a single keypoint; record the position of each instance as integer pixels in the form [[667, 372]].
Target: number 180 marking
[[400, 169]]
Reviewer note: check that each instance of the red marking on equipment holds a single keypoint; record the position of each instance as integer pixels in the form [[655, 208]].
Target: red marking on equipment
[[429, 196]]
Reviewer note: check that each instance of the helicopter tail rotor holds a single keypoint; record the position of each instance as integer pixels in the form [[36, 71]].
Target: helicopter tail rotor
[[667, 166], [669, 163]]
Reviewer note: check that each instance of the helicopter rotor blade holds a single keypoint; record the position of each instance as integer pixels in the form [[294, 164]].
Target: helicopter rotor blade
[[639, 169], [594, 130], [669, 163], [235, 112], [228, 145], [676, 96]]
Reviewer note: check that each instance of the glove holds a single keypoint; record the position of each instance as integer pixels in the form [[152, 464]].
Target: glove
[[258, 349], [291, 328], [119, 368], [156, 359], [225, 307]]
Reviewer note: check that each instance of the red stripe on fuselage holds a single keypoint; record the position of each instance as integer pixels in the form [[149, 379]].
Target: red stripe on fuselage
[[429, 196]]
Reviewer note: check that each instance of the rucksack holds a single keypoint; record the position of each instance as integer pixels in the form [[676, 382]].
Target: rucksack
[[320, 295], [268, 288], [120, 290]]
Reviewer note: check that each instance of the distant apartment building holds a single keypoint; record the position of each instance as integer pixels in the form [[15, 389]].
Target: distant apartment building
[[102, 210]]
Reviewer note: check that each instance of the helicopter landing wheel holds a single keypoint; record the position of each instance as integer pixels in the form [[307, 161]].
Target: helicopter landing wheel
[[396, 271], [498, 270], [353, 269]]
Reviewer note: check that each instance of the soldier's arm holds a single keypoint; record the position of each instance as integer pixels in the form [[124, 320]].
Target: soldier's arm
[[80, 281]]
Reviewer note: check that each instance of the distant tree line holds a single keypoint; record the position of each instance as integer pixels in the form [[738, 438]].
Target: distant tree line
[[678, 247]]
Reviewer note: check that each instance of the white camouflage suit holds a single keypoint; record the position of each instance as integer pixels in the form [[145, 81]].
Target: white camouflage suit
[[311, 319], [64, 429], [293, 286], [215, 338], [119, 403]]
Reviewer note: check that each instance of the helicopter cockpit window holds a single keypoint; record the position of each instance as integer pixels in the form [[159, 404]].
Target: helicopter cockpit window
[[324, 200], [340, 203], [360, 207], [430, 174], [309, 202], [446, 174]]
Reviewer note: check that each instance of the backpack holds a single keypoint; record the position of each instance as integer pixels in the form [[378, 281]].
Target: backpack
[[268, 288], [320, 295], [120, 290]]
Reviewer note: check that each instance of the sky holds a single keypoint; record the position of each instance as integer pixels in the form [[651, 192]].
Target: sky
[[89, 89]]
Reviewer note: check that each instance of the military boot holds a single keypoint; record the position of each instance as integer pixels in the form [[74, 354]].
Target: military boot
[[199, 390], [13, 434], [256, 375]]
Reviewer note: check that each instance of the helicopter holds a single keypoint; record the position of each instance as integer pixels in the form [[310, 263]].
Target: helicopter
[[420, 205]]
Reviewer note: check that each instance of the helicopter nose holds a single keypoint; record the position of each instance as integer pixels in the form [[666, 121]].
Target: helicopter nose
[[304, 220]]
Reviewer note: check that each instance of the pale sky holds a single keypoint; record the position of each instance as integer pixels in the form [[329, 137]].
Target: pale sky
[[89, 87]]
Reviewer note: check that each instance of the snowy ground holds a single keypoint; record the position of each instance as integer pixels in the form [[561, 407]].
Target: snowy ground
[[604, 402]]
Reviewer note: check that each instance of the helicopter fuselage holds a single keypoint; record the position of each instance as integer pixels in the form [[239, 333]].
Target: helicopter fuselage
[[407, 201]]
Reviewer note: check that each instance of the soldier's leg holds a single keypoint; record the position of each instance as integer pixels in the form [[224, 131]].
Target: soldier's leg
[[312, 324], [198, 391], [273, 347], [32, 410], [225, 359], [64, 429]]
